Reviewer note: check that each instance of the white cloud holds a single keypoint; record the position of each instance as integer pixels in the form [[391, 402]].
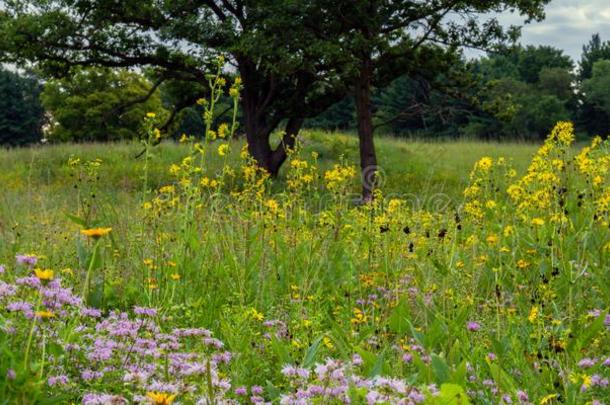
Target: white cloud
[[569, 24]]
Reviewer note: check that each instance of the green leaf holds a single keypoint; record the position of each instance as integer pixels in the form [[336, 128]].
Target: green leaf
[[272, 390], [501, 377], [398, 320], [312, 352], [378, 366], [77, 220], [281, 351], [441, 369], [450, 394], [459, 375], [588, 334]]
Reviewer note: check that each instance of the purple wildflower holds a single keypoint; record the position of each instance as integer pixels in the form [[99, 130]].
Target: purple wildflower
[[6, 290], [31, 281], [57, 380], [102, 399], [151, 312], [289, 371], [91, 312], [586, 363], [21, 306], [473, 326], [598, 381], [28, 260], [241, 391]]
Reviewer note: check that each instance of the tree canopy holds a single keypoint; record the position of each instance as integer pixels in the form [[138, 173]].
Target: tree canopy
[[296, 57]]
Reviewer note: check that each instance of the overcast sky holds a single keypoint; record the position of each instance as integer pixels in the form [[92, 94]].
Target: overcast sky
[[569, 24]]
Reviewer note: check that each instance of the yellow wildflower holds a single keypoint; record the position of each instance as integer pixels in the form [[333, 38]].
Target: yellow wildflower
[[547, 399], [533, 315], [328, 343], [484, 163], [44, 314], [359, 317], [44, 275], [538, 221], [223, 130], [160, 398], [492, 239], [257, 316], [223, 149], [96, 233]]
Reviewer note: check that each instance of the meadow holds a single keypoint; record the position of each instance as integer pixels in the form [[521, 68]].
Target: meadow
[[479, 273]]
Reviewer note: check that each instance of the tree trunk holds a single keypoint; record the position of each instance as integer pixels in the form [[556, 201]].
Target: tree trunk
[[259, 127], [368, 157], [293, 126]]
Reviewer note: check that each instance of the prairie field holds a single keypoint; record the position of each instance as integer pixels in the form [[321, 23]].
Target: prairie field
[[478, 274]]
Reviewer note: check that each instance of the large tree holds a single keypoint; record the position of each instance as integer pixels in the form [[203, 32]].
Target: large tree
[[285, 78], [296, 57], [381, 40], [597, 89], [594, 119], [21, 114]]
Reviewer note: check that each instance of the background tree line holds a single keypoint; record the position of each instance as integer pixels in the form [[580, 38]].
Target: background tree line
[[515, 93]]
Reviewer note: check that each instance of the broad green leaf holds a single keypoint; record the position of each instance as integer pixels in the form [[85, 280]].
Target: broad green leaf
[[441, 369], [312, 352], [398, 320]]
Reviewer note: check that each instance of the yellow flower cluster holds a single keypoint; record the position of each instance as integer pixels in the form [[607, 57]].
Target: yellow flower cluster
[[339, 177]]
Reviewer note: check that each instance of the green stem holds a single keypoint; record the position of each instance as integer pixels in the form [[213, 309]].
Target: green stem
[[85, 292], [44, 352], [31, 335]]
